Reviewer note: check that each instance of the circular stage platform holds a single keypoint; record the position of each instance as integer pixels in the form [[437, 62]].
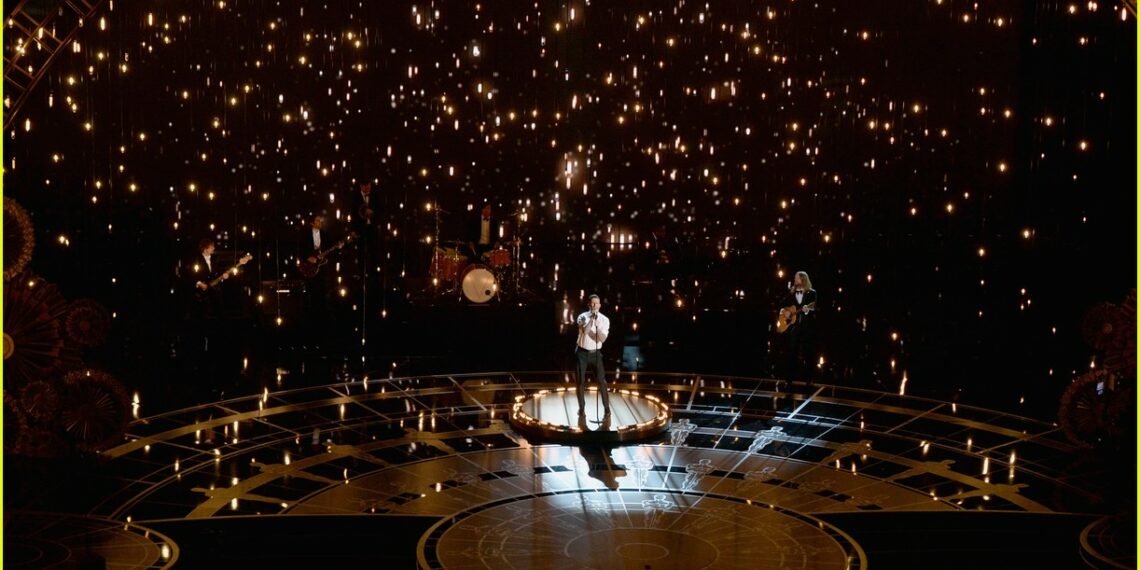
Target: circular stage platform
[[742, 474], [554, 415]]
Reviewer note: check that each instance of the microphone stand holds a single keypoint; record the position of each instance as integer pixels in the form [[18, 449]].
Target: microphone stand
[[597, 355], [600, 382]]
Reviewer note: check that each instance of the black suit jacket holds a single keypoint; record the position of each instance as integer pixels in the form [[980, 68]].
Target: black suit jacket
[[202, 303], [361, 222], [305, 245]]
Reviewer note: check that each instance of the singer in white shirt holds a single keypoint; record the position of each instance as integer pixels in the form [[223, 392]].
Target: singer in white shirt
[[593, 328]]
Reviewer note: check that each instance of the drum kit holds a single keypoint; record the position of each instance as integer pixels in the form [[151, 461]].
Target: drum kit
[[488, 277], [478, 281]]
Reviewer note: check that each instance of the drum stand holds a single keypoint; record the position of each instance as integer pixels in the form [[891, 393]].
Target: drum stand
[[516, 287], [439, 287]]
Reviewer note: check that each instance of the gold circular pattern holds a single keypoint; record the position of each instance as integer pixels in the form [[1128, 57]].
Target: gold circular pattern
[[1092, 410], [86, 323], [33, 314], [630, 530], [95, 409], [440, 446], [40, 401], [19, 238]]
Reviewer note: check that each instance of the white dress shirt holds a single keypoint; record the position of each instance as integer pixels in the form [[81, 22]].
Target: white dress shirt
[[485, 231], [592, 332]]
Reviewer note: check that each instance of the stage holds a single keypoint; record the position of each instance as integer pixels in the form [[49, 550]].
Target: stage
[[750, 473]]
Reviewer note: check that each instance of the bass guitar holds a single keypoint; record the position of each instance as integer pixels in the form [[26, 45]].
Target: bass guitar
[[309, 269], [226, 274], [789, 315]]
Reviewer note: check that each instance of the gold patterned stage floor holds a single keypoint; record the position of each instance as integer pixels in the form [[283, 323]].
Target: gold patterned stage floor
[[746, 476]]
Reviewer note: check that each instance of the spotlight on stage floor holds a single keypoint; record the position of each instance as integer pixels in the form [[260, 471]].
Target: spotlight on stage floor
[[552, 415]]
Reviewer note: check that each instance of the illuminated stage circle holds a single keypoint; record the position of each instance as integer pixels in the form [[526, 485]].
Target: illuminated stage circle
[[552, 415]]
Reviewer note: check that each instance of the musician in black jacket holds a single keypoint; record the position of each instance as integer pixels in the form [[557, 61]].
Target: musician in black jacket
[[198, 272], [801, 302], [366, 224], [317, 261], [312, 240], [201, 331]]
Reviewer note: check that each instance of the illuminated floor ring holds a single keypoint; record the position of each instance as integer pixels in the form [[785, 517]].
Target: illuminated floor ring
[[554, 416]]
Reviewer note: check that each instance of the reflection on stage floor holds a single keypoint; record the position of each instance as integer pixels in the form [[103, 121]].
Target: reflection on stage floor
[[745, 473]]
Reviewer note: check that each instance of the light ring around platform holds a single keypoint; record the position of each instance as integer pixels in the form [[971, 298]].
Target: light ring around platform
[[551, 415]]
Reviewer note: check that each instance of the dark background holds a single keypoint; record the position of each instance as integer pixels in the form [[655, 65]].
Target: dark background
[[826, 126]]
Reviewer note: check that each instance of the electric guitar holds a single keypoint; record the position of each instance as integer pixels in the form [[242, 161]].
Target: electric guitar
[[225, 274], [789, 315], [309, 269]]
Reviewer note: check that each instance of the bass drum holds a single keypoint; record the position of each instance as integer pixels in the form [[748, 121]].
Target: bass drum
[[479, 284]]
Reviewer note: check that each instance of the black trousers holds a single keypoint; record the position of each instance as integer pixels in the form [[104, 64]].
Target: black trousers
[[585, 358], [801, 352]]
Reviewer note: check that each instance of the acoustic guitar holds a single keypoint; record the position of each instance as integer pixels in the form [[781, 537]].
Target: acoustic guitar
[[789, 315], [309, 269]]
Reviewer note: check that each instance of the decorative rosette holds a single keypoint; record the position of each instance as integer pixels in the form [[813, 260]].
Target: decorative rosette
[[1121, 356], [19, 238], [1101, 325], [33, 340], [86, 323], [15, 423], [40, 401], [1095, 409], [94, 409]]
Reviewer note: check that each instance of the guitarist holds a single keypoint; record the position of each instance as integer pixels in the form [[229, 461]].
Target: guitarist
[[800, 303], [206, 356], [311, 240], [202, 270], [318, 288]]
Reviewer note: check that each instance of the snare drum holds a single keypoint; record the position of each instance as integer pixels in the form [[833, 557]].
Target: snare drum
[[479, 284], [499, 258], [445, 264]]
